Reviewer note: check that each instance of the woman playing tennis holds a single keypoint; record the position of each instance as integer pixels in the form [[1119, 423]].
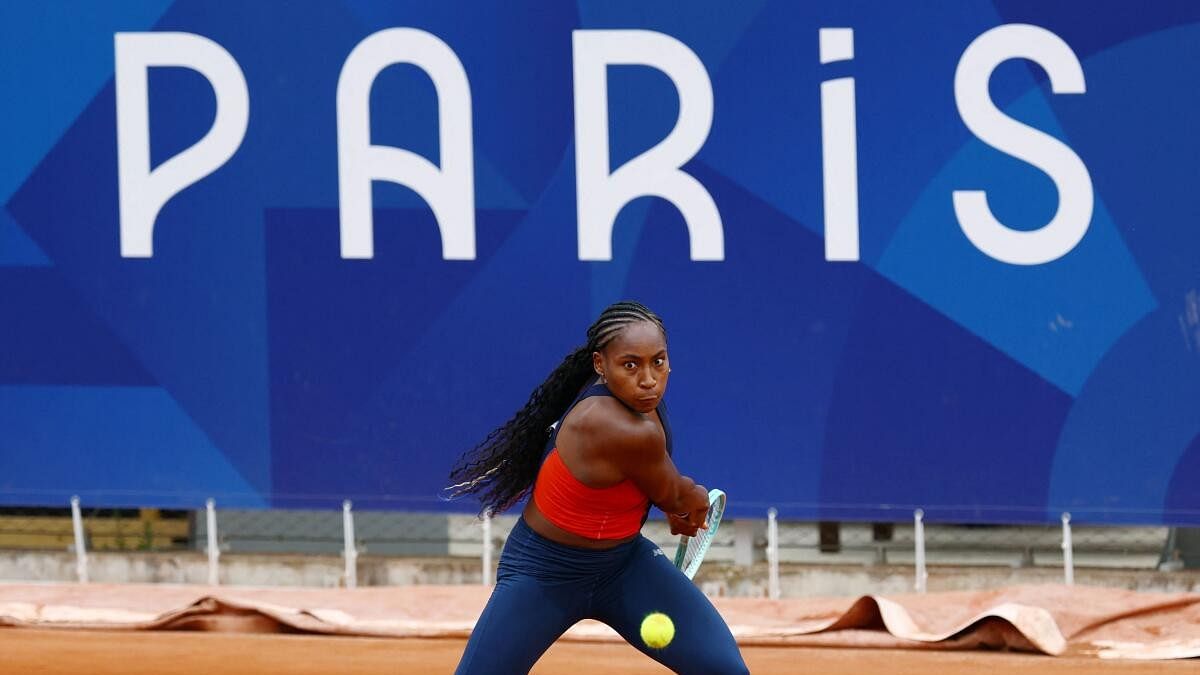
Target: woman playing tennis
[[593, 446]]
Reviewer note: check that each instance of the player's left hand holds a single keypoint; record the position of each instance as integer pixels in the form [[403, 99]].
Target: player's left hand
[[680, 525]]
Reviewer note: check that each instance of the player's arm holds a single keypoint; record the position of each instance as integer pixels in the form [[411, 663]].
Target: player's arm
[[637, 449]]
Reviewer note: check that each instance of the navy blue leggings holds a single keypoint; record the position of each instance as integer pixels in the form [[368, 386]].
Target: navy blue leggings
[[543, 588]]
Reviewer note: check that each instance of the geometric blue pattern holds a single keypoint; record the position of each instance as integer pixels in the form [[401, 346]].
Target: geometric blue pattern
[[159, 456], [16, 248], [246, 360], [1057, 319]]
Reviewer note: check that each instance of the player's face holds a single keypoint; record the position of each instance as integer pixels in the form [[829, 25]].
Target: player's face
[[635, 364]]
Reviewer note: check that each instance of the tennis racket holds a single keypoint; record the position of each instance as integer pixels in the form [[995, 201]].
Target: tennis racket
[[691, 550]]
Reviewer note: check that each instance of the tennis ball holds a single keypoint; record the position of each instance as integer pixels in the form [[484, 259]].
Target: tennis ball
[[657, 630]]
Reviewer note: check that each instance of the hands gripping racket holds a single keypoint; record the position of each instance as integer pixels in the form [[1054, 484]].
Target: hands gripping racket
[[691, 550]]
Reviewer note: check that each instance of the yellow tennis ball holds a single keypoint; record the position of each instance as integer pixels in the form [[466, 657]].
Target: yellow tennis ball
[[657, 630]]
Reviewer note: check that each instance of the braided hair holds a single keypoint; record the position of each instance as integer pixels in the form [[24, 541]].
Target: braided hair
[[502, 468]]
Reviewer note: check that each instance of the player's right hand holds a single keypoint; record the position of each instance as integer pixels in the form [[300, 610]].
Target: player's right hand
[[680, 525], [697, 517]]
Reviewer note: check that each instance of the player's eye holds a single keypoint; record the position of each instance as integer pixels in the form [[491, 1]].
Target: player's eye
[[630, 365], [659, 362]]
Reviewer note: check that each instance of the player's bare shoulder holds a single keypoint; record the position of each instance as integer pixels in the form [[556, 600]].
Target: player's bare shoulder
[[611, 427]]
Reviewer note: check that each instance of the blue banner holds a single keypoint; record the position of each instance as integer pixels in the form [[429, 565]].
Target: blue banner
[[283, 254]]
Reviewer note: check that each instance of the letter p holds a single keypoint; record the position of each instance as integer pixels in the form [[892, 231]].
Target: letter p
[[143, 192]]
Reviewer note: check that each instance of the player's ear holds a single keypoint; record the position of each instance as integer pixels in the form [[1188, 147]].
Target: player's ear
[[598, 364]]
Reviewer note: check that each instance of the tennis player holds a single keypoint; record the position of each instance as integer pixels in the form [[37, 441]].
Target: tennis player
[[593, 445]]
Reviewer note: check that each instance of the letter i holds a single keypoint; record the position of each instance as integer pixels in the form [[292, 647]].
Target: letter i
[[839, 152]]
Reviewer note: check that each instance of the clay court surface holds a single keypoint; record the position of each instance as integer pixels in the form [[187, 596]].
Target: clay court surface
[[147, 629], [53, 651]]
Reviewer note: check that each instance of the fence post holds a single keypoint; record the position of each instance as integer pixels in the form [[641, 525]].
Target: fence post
[[1068, 551], [919, 542], [772, 554], [1171, 558], [351, 553], [743, 542], [487, 548], [214, 552], [81, 560]]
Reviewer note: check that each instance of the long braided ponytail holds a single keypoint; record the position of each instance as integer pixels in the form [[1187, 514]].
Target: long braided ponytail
[[502, 468]]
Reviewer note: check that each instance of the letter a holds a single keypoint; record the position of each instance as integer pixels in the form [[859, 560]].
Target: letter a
[[450, 189]]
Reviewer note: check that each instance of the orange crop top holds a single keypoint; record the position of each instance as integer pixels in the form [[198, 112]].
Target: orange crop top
[[613, 512]]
